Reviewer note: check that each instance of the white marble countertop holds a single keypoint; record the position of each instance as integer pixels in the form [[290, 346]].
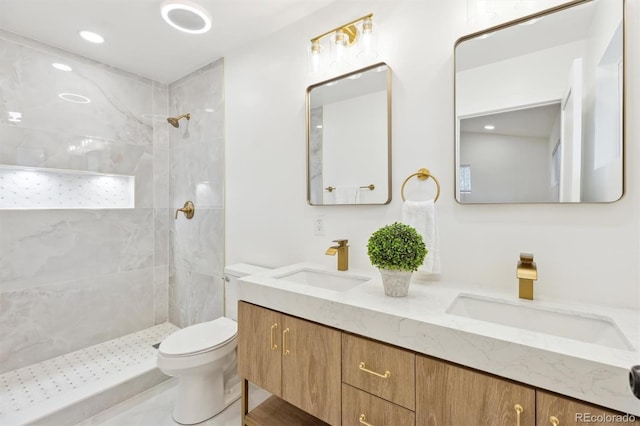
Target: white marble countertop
[[419, 322]]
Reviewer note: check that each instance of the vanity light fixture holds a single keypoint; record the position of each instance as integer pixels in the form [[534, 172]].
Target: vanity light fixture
[[351, 41], [489, 127], [91, 36], [186, 16]]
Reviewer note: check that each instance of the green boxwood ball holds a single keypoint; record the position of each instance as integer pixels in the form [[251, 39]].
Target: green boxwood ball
[[396, 246]]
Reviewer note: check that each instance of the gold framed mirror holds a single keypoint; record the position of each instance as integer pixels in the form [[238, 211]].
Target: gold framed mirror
[[539, 108], [349, 138]]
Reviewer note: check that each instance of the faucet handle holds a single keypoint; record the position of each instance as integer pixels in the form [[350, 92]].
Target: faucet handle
[[526, 258], [341, 242]]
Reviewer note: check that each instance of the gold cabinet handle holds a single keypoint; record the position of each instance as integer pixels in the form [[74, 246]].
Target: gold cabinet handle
[[519, 410], [554, 420], [363, 367], [274, 346], [363, 420], [285, 350]]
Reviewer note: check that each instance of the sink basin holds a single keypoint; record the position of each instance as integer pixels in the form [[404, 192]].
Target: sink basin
[[573, 325], [330, 280]]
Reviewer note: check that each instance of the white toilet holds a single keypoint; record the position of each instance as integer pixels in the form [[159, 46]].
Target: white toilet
[[203, 357]]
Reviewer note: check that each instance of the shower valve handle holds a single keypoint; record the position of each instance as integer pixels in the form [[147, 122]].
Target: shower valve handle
[[189, 210]]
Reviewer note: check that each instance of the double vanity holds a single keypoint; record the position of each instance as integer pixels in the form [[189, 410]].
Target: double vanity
[[332, 348]]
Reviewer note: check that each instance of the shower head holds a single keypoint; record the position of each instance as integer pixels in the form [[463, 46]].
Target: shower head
[[174, 120]]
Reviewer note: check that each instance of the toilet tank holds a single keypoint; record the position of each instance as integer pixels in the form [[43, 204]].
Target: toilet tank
[[231, 275]]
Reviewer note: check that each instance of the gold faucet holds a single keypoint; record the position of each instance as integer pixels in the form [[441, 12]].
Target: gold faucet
[[526, 274], [343, 253]]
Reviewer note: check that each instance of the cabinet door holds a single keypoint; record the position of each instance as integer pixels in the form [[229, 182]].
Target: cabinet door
[[568, 412], [447, 394], [311, 368], [259, 344], [360, 408]]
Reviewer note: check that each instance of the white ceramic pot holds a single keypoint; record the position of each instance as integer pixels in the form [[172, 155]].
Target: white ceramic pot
[[395, 282]]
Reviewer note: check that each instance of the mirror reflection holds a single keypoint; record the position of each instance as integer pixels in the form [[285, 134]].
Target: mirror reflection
[[539, 108], [349, 138]]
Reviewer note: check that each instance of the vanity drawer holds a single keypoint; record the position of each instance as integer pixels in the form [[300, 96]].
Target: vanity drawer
[[360, 408], [380, 369]]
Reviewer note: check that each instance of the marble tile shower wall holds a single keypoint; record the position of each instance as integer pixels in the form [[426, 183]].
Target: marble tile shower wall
[[71, 278], [196, 174]]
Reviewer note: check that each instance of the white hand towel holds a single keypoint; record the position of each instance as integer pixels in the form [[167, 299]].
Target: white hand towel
[[347, 194], [422, 216]]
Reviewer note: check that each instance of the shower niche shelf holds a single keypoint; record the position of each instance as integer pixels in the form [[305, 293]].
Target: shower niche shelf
[[43, 188]]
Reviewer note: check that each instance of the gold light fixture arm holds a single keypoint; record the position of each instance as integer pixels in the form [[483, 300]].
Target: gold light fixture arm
[[348, 29]]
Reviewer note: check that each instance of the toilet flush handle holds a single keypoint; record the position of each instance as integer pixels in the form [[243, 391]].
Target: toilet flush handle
[[189, 210]]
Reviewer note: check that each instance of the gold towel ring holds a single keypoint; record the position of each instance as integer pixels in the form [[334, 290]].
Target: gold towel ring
[[422, 174]]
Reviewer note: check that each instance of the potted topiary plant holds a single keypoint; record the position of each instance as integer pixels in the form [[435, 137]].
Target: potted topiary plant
[[397, 250]]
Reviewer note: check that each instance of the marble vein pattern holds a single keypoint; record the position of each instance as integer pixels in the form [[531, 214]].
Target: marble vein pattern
[[43, 247], [41, 322], [194, 297], [106, 135], [315, 156], [196, 171]]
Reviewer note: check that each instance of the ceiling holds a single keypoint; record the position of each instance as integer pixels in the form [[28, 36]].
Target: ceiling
[[534, 122], [136, 37]]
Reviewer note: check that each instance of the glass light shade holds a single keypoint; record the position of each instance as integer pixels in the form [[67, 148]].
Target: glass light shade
[[316, 58]]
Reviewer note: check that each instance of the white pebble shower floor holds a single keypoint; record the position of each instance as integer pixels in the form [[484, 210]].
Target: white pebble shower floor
[[28, 393]]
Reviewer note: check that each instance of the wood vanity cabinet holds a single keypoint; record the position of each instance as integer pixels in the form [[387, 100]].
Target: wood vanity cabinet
[[319, 375], [296, 360], [553, 409], [448, 394]]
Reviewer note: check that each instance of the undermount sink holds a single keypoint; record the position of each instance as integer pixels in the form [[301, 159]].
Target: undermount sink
[[330, 280], [573, 325]]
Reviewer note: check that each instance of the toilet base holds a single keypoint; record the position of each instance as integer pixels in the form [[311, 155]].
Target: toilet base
[[200, 397]]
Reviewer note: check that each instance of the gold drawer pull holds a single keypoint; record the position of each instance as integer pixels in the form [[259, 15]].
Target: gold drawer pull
[[554, 420], [274, 346], [363, 420], [363, 367], [519, 410], [285, 351]]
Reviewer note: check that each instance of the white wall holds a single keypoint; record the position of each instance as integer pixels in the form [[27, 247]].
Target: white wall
[[363, 136], [506, 168], [508, 84], [602, 172], [584, 252]]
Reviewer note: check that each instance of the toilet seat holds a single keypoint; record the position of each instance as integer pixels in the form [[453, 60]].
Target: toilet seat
[[199, 338]]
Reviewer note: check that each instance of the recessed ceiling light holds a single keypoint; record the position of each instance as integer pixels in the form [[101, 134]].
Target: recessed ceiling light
[[489, 127], [186, 16], [61, 67], [74, 97], [91, 36]]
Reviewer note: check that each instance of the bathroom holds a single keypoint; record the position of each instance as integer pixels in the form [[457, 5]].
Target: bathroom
[[241, 158]]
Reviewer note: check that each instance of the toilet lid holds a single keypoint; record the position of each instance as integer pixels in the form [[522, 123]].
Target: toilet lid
[[201, 337]]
